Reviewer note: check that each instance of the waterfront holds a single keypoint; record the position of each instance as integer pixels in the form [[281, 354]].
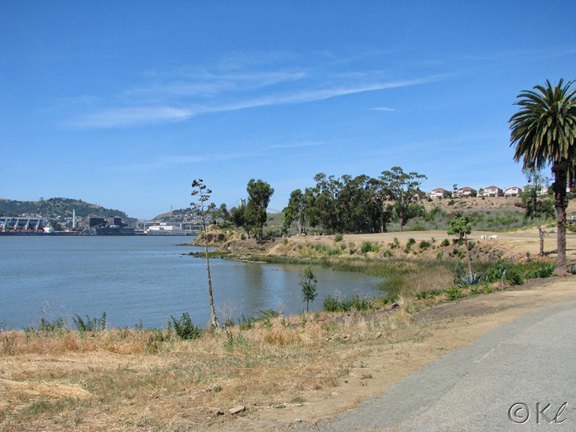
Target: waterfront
[[146, 279]]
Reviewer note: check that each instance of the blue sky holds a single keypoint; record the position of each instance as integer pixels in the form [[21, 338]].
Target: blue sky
[[124, 103]]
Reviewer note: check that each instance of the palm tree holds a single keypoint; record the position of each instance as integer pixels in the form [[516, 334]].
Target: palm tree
[[544, 132]]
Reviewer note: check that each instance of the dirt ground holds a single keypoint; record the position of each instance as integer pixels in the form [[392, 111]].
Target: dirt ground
[[441, 329]]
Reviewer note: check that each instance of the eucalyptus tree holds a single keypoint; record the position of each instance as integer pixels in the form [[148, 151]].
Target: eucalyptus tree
[[325, 212], [297, 210], [205, 211], [544, 133], [404, 189], [259, 194]]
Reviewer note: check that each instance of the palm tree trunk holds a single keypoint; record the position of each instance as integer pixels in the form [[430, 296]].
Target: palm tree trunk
[[560, 203], [541, 234]]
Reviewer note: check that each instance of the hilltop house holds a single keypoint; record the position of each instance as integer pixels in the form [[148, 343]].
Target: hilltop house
[[513, 191], [492, 191], [465, 192], [540, 190], [438, 193]]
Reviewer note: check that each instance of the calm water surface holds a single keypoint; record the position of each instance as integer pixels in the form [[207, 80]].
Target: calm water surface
[[147, 279]]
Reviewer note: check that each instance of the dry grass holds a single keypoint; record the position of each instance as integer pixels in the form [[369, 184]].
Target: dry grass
[[127, 379]]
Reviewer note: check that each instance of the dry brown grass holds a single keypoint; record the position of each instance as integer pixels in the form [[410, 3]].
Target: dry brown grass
[[127, 380]]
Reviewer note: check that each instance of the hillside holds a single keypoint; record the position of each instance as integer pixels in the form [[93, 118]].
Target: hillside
[[179, 215], [57, 208]]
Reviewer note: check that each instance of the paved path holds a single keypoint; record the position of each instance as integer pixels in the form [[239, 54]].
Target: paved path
[[513, 372]]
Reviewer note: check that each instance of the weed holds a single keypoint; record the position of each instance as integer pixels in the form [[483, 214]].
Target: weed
[[297, 400], [454, 293], [366, 247], [335, 304], [90, 324], [184, 327]]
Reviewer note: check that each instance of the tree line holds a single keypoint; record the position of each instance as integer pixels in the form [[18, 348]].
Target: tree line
[[359, 204]]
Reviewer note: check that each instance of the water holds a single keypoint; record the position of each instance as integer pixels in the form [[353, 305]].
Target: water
[[147, 280]]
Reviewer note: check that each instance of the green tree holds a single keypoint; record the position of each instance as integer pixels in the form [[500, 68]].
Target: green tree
[[461, 226], [205, 210], [535, 206], [404, 189], [297, 210], [221, 216], [259, 194], [308, 283], [544, 132], [238, 218]]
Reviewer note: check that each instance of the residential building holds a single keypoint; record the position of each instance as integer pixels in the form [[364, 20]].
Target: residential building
[[513, 191], [438, 193], [540, 190], [465, 192], [492, 191]]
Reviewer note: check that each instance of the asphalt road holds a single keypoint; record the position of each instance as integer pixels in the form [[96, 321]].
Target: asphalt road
[[519, 377]]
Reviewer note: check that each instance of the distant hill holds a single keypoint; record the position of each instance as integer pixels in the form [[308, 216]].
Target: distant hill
[[180, 215], [57, 208]]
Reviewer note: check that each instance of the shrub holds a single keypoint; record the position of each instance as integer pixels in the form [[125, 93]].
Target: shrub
[[445, 243], [453, 293], [366, 247], [338, 237], [94, 324], [184, 327], [515, 276], [424, 244], [355, 303]]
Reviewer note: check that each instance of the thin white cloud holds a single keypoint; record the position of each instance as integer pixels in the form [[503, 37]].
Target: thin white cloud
[[133, 116], [239, 81], [383, 109], [316, 95], [175, 160], [521, 54], [163, 162], [150, 115], [296, 145]]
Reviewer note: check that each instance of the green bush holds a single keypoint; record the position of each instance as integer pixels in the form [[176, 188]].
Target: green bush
[[424, 244], [338, 237], [355, 303], [445, 243], [47, 326], [90, 324], [366, 247], [184, 327], [453, 293]]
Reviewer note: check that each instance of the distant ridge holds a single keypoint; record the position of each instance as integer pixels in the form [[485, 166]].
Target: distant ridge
[[54, 208], [178, 215]]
